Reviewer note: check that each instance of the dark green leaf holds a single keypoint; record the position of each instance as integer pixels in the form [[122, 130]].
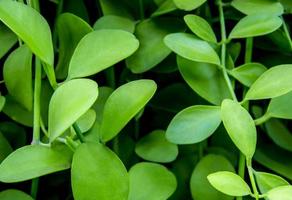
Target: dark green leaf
[[5, 148], [7, 39], [14, 194], [114, 22]]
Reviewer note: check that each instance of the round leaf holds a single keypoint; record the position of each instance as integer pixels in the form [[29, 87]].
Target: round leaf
[[193, 124], [188, 5], [282, 192], [69, 102], [114, 22], [99, 50], [151, 181], [281, 106], [97, 173], [14, 194]]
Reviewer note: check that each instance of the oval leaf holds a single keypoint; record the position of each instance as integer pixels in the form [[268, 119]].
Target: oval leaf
[[69, 102], [114, 22], [5, 148], [123, 104], [86, 121], [151, 181], [281, 106], [282, 192], [240, 126], [33, 161], [188, 5], [7, 39], [229, 183], [14, 194], [276, 81], [99, 50], [193, 124], [97, 173]]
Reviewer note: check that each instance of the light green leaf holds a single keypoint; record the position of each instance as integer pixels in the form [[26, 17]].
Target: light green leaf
[[154, 147], [69, 102], [192, 48], [35, 33], [86, 121], [14, 194], [114, 22], [201, 189], [193, 124], [205, 79], [250, 7], [240, 126], [166, 7], [7, 39], [229, 183], [267, 181], [151, 181], [281, 106], [276, 81], [200, 27], [5, 148], [123, 104], [280, 193], [248, 73], [99, 50], [33, 161], [255, 25], [188, 5], [71, 29], [97, 173], [17, 74]]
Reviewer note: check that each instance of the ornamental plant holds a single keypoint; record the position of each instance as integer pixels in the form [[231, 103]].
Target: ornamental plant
[[146, 100]]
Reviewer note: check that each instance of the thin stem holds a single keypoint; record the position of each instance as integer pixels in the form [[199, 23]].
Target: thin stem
[[110, 77], [252, 179], [34, 188], [58, 12], [223, 51], [51, 75], [201, 150], [248, 50], [141, 9], [43, 127], [36, 103], [287, 33], [262, 119], [78, 133]]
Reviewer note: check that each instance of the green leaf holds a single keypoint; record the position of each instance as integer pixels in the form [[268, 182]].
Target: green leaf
[[240, 126], [250, 7], [14, 133], [35, 33], [7, 39], [193, 124], [71, 29], [192, 48], [33, 161], [152, 49], [255, 25], [69, 102], [97, 173], [281, 106], [5, 148], [114, 22], [229, 183], [200, 27], [248, 73], [99, 50], [205, 79], [279, 133], [280, 193], [154, 147], [17, 74], [166, 7], [115, 7], [2, 102], [151, 181], [201, 189], [14, 194], [276, 81], [123, 104], [86, 121], [267, 181], [188, 5]]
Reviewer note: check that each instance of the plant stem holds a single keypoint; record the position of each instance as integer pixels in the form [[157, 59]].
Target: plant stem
[[248, 50], [51, 75], [223, 51], [110, 77], [78, 133], [34, 188], [252, 180], [262, 119], [287, 33], [58, 12], [141, 9]]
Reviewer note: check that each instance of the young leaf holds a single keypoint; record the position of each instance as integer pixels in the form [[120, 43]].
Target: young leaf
[[114, 22], [188, 5], [250, 7], [193, 124], [229, 183], [267, 181], [86, 121], [201, 189], [255, 25], [69, 102], [99, 50], [123, 104], [35, 33], [7, 39], [154, 147], [248, 73], [151, 181], [280, 193], [14, 194], [281, 106], [17, 75], [276, 81], [200, 27], [192, 48], [97, 173], [71, 29], [240, 126], [33, 161]]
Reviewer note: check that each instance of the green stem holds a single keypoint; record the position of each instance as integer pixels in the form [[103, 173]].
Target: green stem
[[248, 50], [43, 127], [262, 119], [141, 9], [34, 188], [78, 133], [58, 12], [201, 150], [223, 51], [252, 179], [287, 33], [51, 75], [110, 77]]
